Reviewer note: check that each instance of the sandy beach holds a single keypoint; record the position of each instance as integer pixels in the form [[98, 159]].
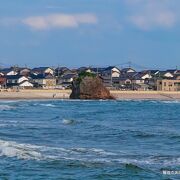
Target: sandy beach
[[35, 94], [154, 95], [64, 94]]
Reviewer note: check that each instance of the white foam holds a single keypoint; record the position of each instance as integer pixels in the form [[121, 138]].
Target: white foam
[[68, 121], [47, 105], [28, 151], [171, 102], [20, 151], [6, 107], [13, 149]]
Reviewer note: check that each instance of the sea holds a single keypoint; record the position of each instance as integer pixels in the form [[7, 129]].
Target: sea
[[89, 140]]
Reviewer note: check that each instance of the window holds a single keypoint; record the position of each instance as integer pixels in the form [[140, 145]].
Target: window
[[164, 83]]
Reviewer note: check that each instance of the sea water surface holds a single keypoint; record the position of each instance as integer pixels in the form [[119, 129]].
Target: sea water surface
[[86, 140]]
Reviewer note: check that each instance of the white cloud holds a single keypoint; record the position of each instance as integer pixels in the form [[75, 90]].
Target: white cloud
[[147, 21], [151, 14], [59, 21]]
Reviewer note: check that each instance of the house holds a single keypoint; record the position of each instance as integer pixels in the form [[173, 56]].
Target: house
[[165, 74], [82, 69], [177, 76], [140, 78], [145, 75], [107, 74], [18, 81], [123, 82], [67, 78], [24, 71], [177, 72], [2, 82], [42, 80], [98, 70], [15, 79], [151, 72], [42, 70], [26, 84], [172, 71], [140, 87], [127, 70], [111, 71], [171, 84], [62, 70], [8, 71]]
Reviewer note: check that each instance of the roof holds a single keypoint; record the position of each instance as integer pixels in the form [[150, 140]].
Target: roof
[[62, 69], [173, 71], [129, 75], [41, 76], [83, 68], [68, 76], [139, 75], [14, 76], [162, 73], [99, 70], [40, 69], [6, 70], [152, 72], [21, 69], [178, 72], [24, 82], [124, 78], [125, 70], [110, 68]]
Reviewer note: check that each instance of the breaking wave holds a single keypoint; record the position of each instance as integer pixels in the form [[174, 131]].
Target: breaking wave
[[13, 149], [6, 107]]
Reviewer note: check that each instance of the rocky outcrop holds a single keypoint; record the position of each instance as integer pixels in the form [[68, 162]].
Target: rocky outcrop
[[89, 88]]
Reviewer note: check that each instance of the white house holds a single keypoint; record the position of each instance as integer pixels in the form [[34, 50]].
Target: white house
[[111, 71], [146, 76], [16, 79], [25, 84]]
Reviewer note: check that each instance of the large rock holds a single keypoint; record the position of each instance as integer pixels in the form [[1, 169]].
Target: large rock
[[89, 88]]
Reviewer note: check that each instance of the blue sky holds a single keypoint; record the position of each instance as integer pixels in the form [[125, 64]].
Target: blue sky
[[90, 33]]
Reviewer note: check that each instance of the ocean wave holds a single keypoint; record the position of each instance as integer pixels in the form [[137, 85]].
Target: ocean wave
[[171, 102], [13, 149], [6, 107], [47, 105], [21, 151], [29, 151]]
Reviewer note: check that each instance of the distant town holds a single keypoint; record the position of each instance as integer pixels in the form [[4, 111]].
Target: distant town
[[113, 78]]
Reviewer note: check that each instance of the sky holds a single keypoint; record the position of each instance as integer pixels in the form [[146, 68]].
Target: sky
[[78, 33]]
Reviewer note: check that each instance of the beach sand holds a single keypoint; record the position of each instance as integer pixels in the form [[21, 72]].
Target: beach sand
[[36, 94], [64, 94], [155, 95]]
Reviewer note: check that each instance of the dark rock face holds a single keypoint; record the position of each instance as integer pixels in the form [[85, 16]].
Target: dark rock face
[[89, 88]]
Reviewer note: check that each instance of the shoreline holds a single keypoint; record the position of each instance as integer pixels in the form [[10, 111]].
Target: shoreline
[[64, 94]]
